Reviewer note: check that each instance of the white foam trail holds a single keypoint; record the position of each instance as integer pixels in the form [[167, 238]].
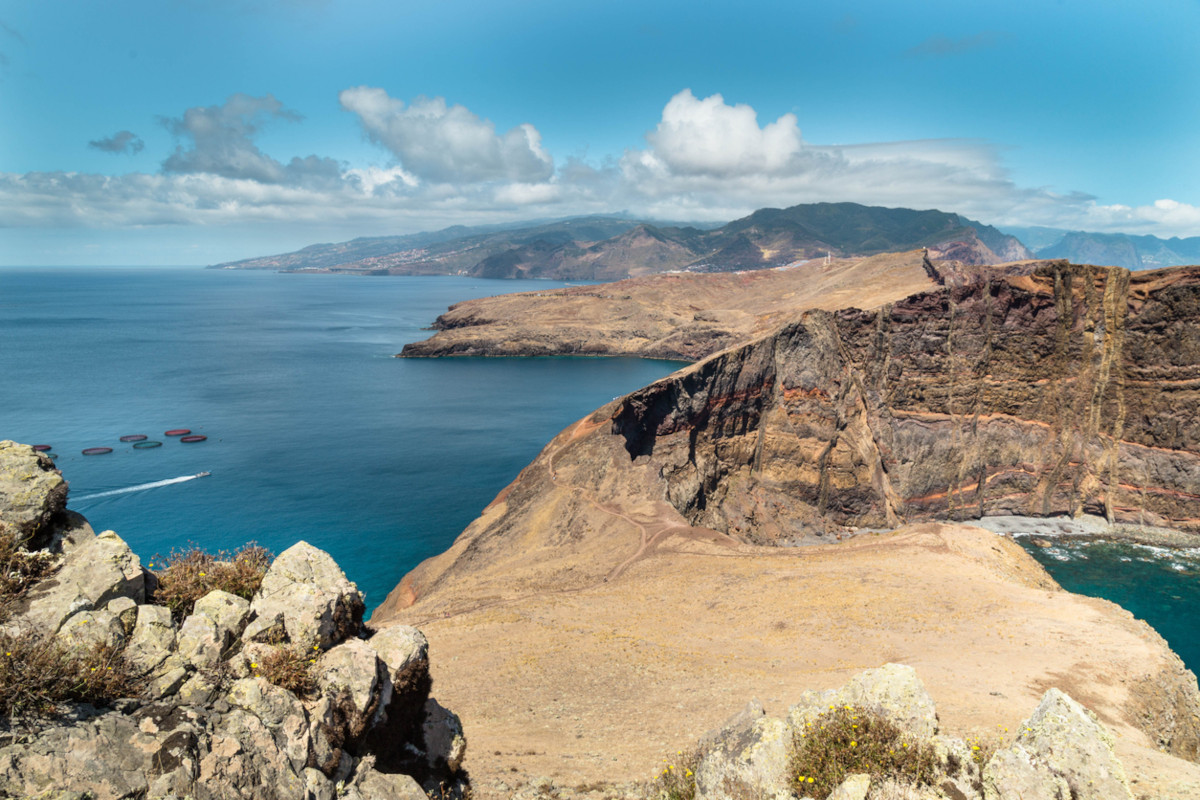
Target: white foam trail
[[139, 487]]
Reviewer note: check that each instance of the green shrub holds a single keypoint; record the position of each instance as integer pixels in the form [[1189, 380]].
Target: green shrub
[[844, 741], [678, 778], [189, 575], [37, 674]]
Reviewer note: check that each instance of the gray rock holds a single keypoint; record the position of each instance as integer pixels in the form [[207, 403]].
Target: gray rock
[[317, 786], [169, 681], [893, 691], [854, 787], [199, 642], [153, 638], [227, 611], [198, 690], [32, 492], [748, 757], [90, 629], [445, 743], [369, 784], [1068, 739], [126, 609], [280, 711], [404, 649], [1014, 774], [246, 761], [307, 590], [93, 574], [354, 666]]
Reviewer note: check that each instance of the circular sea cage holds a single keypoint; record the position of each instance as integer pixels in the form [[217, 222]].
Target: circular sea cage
[[146, 445], [178, 432], [134, 437], [193, 438], [96, 451], [41, 448]]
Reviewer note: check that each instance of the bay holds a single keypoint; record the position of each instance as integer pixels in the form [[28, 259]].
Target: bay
[[314, 430]]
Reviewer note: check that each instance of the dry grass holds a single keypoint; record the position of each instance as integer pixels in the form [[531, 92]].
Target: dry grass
[[844, 741], [290, 667], [19, 569], [191, 574], [37, 674]]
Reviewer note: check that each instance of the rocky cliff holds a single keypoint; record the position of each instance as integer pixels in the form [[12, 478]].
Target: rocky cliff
[[284, 694], [1065, 391]]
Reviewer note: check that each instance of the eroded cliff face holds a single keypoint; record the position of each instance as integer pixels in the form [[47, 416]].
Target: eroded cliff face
[[1068, 390]]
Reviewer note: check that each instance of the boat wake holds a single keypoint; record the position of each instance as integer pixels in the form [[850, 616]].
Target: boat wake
[[141, 487]]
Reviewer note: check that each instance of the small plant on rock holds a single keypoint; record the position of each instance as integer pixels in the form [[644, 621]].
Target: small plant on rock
[[845, 740], [677, 781], [291, 667], [193, 573], [37, 674], [19, 569]]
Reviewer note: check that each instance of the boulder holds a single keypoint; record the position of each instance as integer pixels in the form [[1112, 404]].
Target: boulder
[[90, 629], [404, 649], [153, 638], [32, 493], [893, 691], [353, 673], [370, 784], [308, 597], [227, 611], [280, 711], [126, 610], [199, 642], [93, 574], [1068, 739], [748, 757], [1014, 774], [445, 743]]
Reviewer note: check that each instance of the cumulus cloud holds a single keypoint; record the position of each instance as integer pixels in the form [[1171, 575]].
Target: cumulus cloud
[[221, 142], [709, 137], [443, 143], [120, 142], [939, 46]]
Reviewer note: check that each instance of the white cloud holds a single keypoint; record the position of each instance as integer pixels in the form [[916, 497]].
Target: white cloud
[[708, 137], [704, 160], [442, 143]]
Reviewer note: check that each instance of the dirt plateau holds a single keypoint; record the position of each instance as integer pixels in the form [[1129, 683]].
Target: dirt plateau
[[628, 591]]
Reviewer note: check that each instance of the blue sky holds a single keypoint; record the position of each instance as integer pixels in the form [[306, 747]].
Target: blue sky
[[196, 131]]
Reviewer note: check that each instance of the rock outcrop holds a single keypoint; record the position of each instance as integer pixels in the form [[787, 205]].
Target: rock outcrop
[[33, 494], [209, 721], [1061, 752]]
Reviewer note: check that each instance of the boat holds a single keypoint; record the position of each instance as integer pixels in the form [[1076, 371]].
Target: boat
[[203, 474]]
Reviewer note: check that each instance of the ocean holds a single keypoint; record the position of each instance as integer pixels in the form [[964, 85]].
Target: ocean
[[315, 432]]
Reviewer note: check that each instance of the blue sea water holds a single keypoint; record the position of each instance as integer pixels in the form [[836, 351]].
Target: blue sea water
[[314, 430], [1158, 585]]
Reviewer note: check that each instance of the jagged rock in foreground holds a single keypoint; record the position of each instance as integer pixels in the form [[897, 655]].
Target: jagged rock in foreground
[[33, 494], [209, 722], [1062, 752]]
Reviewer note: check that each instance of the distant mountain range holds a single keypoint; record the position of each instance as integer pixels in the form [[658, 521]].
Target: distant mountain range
[[606, 248], [1110, 249]]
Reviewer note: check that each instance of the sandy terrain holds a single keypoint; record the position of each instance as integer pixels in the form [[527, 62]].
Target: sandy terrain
[[599, 685]]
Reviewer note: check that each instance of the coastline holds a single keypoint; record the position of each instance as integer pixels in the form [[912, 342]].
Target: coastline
[[1086, 528]]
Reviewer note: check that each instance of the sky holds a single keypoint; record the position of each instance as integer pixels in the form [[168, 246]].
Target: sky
[[200, 131]]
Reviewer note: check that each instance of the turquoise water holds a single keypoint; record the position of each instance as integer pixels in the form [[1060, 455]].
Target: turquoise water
[[314, 431], [1157, 585]]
